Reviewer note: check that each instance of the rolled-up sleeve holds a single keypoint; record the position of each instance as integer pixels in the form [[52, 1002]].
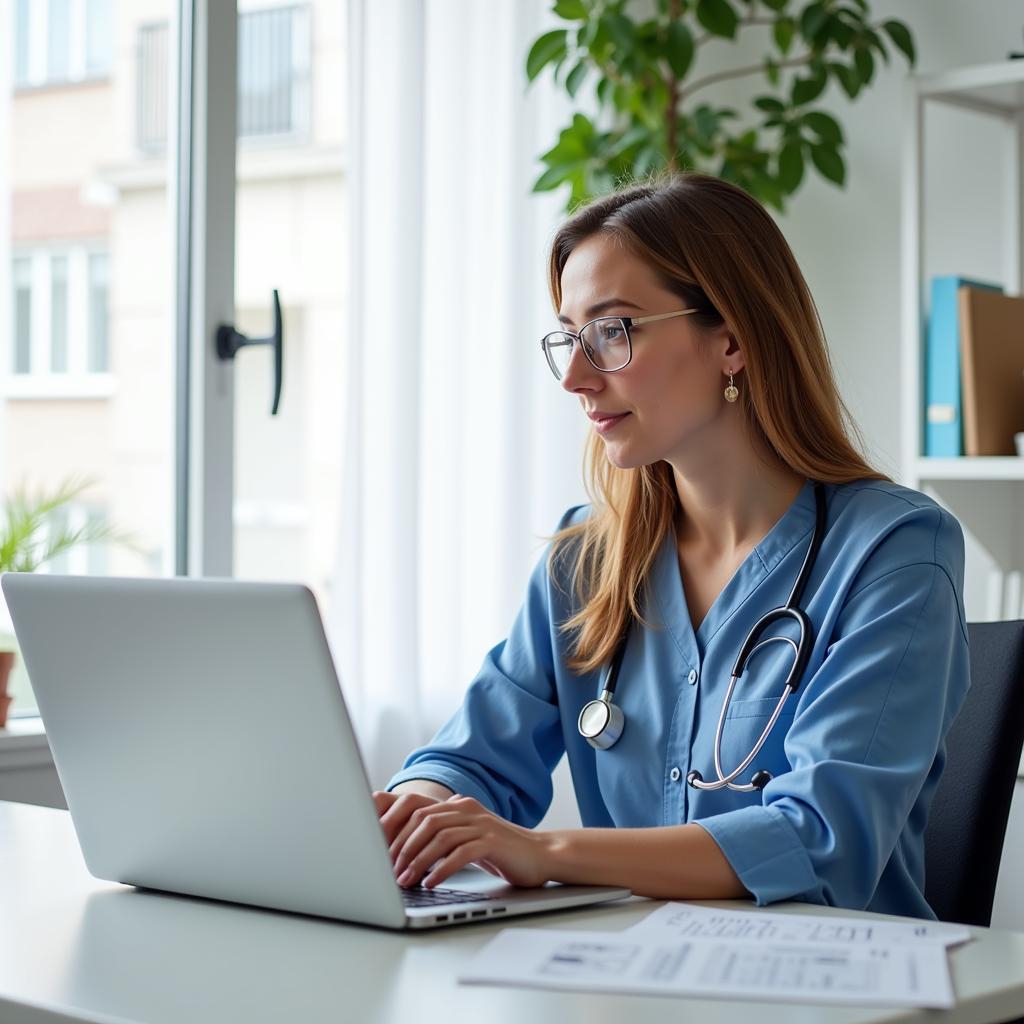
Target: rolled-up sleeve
[[504, 741], [868, 737]]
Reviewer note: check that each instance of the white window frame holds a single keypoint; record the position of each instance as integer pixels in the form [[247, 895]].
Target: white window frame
[[41, 382]]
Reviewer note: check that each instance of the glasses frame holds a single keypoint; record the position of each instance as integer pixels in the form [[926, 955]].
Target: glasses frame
[[626, 321]]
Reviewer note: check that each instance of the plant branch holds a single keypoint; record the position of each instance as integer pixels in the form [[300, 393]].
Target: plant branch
[[721, 76]]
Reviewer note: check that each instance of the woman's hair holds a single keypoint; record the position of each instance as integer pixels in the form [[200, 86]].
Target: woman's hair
[[716, 247]]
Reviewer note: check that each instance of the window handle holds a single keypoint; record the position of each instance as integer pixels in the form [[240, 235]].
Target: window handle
[[229, 341]]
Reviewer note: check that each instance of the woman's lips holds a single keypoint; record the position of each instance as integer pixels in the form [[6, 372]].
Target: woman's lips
[[602, 424]]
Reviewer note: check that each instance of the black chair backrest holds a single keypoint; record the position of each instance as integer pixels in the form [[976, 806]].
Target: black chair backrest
[[964, 838]]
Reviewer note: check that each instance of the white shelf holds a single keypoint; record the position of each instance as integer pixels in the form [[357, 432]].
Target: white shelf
[[1003, 467]]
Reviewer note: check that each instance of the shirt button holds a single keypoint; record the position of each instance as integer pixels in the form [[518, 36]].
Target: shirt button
[[675, 774], [692, 677]]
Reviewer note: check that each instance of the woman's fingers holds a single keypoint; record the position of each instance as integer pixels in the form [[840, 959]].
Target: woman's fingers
[[458, 839], [455, 861], [422, 826], [398, 813]]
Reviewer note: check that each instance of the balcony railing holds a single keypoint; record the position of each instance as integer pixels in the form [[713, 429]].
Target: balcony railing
[[273, 77]]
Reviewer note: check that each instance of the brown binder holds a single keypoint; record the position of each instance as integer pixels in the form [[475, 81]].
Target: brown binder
[[992, 369]]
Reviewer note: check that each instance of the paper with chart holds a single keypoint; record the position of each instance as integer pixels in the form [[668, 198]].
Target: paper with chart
[[692, 921], [905, 974]]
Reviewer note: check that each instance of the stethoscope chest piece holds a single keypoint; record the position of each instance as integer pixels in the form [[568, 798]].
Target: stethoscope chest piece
[[601, 721]]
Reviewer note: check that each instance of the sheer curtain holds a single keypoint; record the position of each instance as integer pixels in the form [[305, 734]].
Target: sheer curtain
[[462, 451]]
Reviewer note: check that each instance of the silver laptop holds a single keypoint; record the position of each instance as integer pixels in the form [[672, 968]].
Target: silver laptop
[[204, 747]]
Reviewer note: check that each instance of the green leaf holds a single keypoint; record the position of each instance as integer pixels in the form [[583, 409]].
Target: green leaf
[[771, 70], [825, 126], [848, 78], [547, 48], [829, 162], [775, 5], [901, 37], [841, 32], [875, 40], [813, 20], [602, 90], [571, 10], [769, 104], [621, 31], [575, 78], [552, 178], [807, 89], [791, 166], [783, 31], [864, 63], [718, 17], [679, 49]]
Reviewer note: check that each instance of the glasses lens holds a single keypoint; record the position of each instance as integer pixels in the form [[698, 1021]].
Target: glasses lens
[[558, 349], [606, 343]]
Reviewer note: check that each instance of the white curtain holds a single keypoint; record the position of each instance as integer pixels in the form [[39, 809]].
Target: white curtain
[[462, 450]]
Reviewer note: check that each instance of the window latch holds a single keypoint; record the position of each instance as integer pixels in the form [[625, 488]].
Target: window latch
[[229, 341]]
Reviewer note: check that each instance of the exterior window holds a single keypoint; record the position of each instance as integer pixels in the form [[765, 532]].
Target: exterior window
[[60, 304], [22, 305], [99, 313], [273, 77], [59, 41]]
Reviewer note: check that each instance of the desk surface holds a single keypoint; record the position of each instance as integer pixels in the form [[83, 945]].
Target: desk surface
[[68, 940]]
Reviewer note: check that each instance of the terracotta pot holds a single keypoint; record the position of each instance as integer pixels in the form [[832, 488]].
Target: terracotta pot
[[6, 664]]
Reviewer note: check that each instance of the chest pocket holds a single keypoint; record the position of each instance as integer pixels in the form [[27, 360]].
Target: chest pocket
[[744, 723]]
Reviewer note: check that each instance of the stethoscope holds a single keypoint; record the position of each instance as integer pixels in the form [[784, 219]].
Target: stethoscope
[[601, 721]]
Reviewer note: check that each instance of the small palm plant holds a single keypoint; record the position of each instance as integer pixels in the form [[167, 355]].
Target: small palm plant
[[32, 533]]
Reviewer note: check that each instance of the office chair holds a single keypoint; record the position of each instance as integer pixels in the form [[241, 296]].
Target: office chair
[[963, 841]]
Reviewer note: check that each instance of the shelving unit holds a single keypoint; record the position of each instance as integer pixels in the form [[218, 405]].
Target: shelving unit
[[986, 494]]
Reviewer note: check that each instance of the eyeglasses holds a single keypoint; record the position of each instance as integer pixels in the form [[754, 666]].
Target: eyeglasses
[[606, 342]]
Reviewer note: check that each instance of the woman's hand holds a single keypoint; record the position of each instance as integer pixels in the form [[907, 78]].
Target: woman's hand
[[430, 840]]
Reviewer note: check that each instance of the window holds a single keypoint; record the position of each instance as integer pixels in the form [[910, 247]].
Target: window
[[61, 312], [83, 559], [273, 77], [58, 41]]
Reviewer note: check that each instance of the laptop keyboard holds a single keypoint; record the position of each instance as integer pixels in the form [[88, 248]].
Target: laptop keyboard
[[439, 897]]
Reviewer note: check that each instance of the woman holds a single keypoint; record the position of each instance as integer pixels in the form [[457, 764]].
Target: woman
[[691, 341]]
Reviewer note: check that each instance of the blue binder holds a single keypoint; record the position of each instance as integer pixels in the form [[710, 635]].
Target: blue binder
[[943, 423]]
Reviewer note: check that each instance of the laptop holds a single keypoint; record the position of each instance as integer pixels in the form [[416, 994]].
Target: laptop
[[200, 734]]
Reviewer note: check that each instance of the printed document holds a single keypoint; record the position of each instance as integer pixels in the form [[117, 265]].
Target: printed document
[[688, 920], [691, 950]]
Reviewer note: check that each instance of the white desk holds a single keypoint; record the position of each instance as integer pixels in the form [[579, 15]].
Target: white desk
[[68, 940]]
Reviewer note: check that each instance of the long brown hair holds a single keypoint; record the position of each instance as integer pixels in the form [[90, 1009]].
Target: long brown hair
[[718, 249]]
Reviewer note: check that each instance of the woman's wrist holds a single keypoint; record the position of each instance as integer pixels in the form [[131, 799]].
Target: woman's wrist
[[424, 787]]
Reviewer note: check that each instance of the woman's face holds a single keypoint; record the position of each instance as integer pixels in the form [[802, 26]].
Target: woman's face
[[670, 395]]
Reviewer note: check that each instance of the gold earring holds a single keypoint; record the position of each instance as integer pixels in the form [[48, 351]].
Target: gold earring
[[731, 392]]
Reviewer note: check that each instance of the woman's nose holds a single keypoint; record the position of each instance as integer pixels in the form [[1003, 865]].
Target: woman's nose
[[580, 374]]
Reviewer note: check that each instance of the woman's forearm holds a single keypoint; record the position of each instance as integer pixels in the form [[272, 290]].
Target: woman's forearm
[[674, 862]]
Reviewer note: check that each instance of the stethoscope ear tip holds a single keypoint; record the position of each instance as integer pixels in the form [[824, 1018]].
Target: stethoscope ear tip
[[694, 777], [760, 779]]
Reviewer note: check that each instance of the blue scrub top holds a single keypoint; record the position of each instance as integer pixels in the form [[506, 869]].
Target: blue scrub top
[[856, 755]]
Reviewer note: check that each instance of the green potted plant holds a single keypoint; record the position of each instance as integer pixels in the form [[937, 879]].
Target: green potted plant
[[655, 114], [31, 534]]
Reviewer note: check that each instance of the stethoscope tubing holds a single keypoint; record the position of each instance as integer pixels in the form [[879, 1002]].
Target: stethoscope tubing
[[611, 715]]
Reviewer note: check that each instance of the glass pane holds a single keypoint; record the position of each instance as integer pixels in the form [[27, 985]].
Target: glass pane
[[98, 37], [290, 236], [22, 305], [87, 365], [58, 29], [99, 312], [59, 314]]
